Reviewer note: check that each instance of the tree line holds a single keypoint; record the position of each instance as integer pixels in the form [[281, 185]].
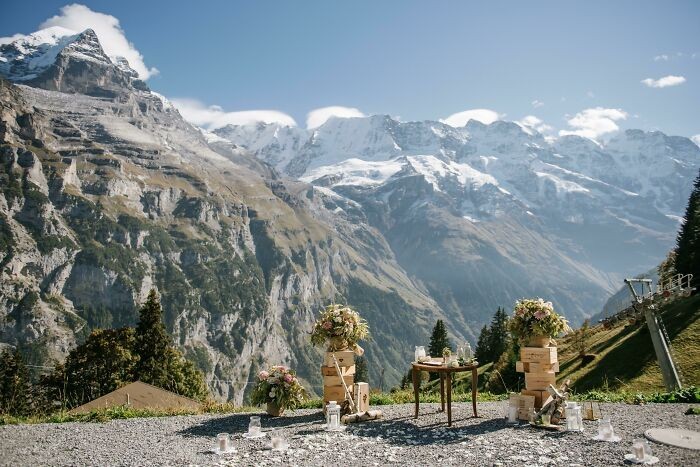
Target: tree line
[[107, 360]]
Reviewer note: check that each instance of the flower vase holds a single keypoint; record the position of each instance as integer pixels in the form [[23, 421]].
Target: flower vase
[[274, 410], [538, 341]]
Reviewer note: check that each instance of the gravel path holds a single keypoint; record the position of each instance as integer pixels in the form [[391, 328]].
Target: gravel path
[[397, 439]]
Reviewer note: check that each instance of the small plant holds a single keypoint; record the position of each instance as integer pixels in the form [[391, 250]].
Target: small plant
[[446, 352], [535, 317], [278, 385]]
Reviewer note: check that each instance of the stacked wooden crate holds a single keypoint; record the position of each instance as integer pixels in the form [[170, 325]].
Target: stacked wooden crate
[[540, 366], [333, 389]]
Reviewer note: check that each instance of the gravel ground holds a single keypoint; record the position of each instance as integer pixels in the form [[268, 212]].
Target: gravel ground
[[397, 439]]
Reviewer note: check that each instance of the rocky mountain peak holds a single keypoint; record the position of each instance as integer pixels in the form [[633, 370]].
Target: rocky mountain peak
[[59, 59]]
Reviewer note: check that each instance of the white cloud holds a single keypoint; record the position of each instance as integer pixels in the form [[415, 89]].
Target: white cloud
[[531, 122], [593, 123], [213, 117], [537, 104], [460, 119], [318, 117], [10, 39], [115, 44], [696, 139], [664, 82], [662, 57]]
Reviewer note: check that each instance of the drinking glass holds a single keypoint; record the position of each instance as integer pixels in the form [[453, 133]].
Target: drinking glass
[[605, 429], [638, 449], [546, 419]]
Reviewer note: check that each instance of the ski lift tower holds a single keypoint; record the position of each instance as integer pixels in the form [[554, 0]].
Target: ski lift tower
[[644, 303]]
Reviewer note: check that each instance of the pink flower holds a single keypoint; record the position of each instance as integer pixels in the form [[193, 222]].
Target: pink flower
[[263, 374], [539, 314], [327, 325], [288, 378]]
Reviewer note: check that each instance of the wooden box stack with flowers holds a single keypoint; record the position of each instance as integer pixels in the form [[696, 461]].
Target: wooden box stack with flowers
[[540, 366], [333, 389]]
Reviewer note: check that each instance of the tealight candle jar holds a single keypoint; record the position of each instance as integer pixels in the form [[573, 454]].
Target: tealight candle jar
[[605, 429], [638, 450], [254, 427], [512, 414], [222, 442]]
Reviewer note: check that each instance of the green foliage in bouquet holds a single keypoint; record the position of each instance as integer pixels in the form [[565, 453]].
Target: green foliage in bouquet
[[535, 317], [339, 323], [279, 384]]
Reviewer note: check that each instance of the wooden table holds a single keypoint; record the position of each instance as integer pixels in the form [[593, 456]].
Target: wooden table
[[445, 380]]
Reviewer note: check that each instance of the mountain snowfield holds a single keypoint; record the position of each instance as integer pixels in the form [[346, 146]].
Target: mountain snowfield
[[248, 230], [610, 209]]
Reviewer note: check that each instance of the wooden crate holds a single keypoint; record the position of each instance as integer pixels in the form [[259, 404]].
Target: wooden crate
[[524, 403], [335, 393], [361, 396], [526, 367], [538, 355], [344, 370], [344, 357], [539, 381], [539, 395], [338, 380]]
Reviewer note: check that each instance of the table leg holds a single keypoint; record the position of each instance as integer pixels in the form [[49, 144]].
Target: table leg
[[442, 392], [416, 387], [448, 389], [475, 380]]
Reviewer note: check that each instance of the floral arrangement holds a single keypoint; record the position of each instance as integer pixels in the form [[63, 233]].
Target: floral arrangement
[[535, 317], [278, 385], [340, 326]]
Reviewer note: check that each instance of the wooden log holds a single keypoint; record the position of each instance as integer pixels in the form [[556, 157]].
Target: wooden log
[[331, 371], [538, 354], [362, 416], [345, 358], [525, 367], [539, 381]]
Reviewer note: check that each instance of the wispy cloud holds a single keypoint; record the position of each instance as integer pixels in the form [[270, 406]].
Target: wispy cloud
[[114, 42], [537, 104], [696, 139], [460, 119], [664, 82], [212, 117], [318, 117], [531, 122], [594, 123], [662, 57]]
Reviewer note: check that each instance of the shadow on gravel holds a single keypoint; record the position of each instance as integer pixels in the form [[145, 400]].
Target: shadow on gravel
[[238, 423], [404, 433]]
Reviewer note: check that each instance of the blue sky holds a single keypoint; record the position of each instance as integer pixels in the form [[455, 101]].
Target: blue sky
[[415, 60]]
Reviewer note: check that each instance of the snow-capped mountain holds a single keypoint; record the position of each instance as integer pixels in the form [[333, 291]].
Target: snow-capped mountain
[[605, 210], [43, 59]]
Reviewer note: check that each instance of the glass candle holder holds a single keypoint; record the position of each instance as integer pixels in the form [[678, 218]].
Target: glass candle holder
[[278, 441], [512, 414], [638, 450], [546, 419], [605, 429], [222, 442], [254, 427], [532, 415], [332, 416]]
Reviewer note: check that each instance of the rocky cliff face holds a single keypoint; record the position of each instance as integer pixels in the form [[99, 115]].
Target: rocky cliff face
[[107, 192]]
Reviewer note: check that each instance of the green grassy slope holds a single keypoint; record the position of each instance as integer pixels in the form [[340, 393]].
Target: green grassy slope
[[624, 355]]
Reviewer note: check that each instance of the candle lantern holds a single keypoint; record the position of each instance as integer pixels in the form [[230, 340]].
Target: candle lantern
[[591, 410], [420, 353], [467, 351], [333, 416], [222, 442], [573, 418]]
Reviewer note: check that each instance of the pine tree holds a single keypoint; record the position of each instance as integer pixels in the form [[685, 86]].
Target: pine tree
[[581, 338], [152, 344], [439, 339], [16, 391], [159, 362], [688, 241], [499, 336], [483, 352], [361, 372]]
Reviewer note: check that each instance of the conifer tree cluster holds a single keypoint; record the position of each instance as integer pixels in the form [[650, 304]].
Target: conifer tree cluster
[[687, 258], [494, 339], [16, 391]]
